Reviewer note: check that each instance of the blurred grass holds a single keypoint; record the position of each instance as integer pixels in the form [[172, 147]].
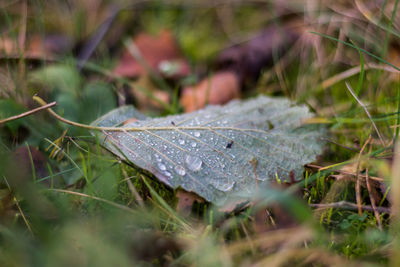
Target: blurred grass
[[80, 209]]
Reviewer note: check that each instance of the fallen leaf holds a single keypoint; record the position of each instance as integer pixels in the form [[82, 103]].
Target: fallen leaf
[[249, 58], [185, 202], [160, 52], [50, 46], [7, 45], [190, 150], [37, 47], [238, 66], [218, 89], [141, 91], [129, 121], [29, 157]]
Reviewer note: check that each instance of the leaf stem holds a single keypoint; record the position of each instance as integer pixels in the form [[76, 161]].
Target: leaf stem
[[45, 106], [125, 129], [58, 117]]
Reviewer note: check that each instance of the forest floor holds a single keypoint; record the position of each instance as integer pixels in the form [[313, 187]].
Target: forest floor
[[65, 200]]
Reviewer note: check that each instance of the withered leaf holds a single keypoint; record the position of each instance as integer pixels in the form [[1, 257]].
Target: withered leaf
[[192, 152], [218, 89], [160, 52]]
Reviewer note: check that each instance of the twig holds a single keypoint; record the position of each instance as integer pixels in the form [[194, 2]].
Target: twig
[[358, 186], [366, 111], [351, 72], [91, 45], [22, 41], [349, 206], [372, 199], [46, 106], [132, 188], [148, 128], [19, 208], [373, 178]]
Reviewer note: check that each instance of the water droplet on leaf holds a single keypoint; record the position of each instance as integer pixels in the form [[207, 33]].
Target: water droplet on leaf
[[193, 162], [180, 170], [224, 186], [161, 166], [157, 157]]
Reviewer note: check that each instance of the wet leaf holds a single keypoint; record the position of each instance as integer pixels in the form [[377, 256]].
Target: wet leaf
[[220, 152]]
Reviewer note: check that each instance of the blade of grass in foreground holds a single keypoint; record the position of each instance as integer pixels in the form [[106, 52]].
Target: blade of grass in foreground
[[395, 221]]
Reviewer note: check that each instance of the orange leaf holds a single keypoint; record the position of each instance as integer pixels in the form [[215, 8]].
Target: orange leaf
[[156, 51], [219, 89]]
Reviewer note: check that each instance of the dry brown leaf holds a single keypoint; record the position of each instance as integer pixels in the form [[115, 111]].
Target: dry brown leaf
[[49, 46], [249, 58], [37, 47], [185, 202], [143, 100], [26, 156], [157, 51], [131, 120], [219, 89]]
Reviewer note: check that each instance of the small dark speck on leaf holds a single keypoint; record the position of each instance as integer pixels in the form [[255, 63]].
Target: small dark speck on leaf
[[173, 123], [229, 145], [270, 125]]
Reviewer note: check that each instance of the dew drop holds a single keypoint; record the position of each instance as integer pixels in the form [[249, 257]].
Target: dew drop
[[262, 178], [193, 144], [180, 170], [197, 134], [193, 163], [157, 157], [181, 141], [224, 186], [167, 173], [161, 166]]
